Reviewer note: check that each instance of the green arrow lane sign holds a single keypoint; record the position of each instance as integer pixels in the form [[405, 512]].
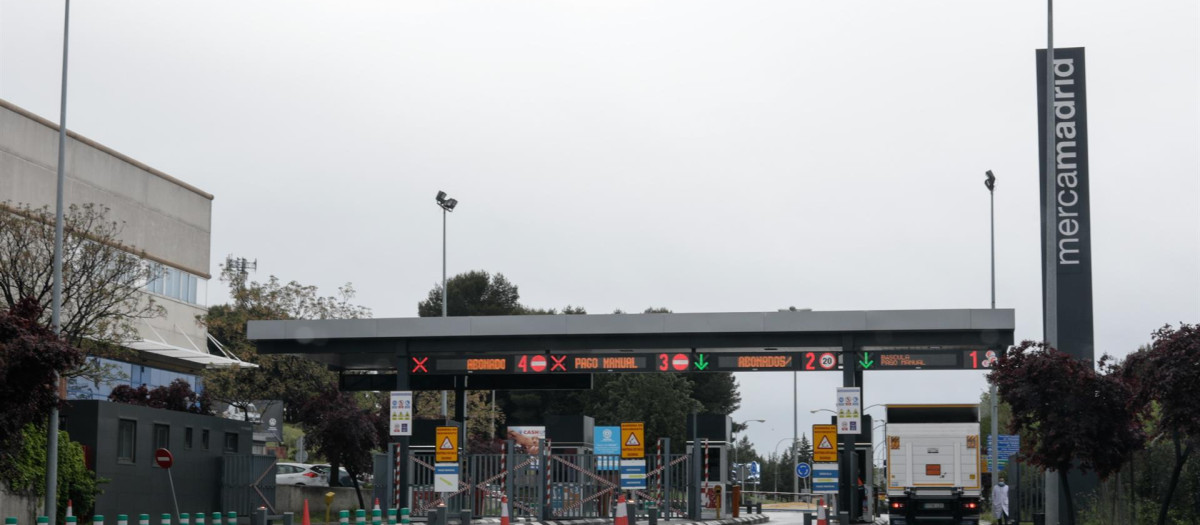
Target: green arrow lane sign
[[701, 362], [866, 361]]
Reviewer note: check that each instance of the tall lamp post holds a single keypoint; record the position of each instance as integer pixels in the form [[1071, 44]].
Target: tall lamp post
[[447, 205], [51, 506], [993, 450]]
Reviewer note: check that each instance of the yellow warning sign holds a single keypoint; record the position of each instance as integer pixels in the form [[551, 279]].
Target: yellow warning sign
[[447, 445], [633, 440], [825, 444]]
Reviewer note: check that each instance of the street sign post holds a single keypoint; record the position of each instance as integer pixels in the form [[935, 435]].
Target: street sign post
[[1010, 445], [633, 474], [825, 478], [849, 410], [825, 444], [803, 470], [164, 460], [633, 440], [447, 445], [445, 477]]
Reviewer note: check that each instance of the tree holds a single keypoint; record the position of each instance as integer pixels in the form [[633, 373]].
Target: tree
[[1068, 413], [1164, 378], [615, 398], [344, 432], [102, 278], [292, 379], [474, 293], [31, 359]]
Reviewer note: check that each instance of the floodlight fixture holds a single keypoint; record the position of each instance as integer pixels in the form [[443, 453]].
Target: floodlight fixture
[[991, 181]]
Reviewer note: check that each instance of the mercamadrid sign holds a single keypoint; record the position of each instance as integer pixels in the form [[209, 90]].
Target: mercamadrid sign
[[1072, 252]]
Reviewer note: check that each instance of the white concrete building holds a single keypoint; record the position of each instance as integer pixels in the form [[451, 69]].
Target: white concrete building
[[170, 220]]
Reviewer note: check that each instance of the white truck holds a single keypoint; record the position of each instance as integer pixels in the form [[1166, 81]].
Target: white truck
[[933, 473]]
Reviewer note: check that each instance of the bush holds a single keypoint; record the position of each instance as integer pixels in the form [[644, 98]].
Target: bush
[[26, 471]]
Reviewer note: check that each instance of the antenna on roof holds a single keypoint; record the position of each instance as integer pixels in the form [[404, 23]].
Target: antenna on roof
[[240, 264]]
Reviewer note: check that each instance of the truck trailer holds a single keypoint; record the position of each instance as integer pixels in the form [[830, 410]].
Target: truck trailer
[[933, 473]]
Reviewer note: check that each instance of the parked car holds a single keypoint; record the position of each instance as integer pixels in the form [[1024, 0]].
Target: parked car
[[343, 478], [301, 474]]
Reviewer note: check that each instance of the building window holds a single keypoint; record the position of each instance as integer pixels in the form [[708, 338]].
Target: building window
[[187, 438], [204, 438], [126, 440], [176, 284], [231, 442], [162, 436]]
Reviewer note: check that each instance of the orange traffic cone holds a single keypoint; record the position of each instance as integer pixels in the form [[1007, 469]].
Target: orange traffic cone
[[70, 511], [822, 519], [376, 504], [622, 516], [305, 519], [504, 510]]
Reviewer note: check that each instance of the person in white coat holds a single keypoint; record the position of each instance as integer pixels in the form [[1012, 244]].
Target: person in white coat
[[1000, 501]]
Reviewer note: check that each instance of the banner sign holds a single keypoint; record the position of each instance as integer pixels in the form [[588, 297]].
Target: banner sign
[[849, 410], [1072, 251], [607, 443]]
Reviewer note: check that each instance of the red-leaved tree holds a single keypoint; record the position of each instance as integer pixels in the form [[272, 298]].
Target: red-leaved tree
[[1165, 381], [30, 357], [344, 432], [1072, 415], [177, 396]]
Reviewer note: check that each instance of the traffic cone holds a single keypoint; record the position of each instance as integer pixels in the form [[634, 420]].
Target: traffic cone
[[622, 516], [376, 504], [70, 511], [822, 519], [304, 520], [504, 510]]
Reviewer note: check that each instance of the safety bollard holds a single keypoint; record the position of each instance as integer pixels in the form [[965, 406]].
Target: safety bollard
[[11, 521], [360, 517], [230, 518], [464, 517], [405, 516], [71, 520], [199, 518], [184, 519], [216, 518], [343, 517], [164, 519], [97, 520], [122, 519], [376, 517], [143, 519], [652, 515], [391, 517]]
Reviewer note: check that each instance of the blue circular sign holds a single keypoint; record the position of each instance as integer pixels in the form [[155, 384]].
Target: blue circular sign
[[803, 470]]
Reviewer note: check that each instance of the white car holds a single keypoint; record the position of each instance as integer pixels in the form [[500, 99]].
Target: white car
[[300, 474]]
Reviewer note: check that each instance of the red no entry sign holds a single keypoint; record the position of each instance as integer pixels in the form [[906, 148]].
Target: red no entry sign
[[163, 458]]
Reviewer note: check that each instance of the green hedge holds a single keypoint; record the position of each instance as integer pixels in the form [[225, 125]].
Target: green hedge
[[25, 471]]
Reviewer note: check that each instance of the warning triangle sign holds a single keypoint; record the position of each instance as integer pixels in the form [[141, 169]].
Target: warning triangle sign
[[825, 444], [632, 441], [446, 445]]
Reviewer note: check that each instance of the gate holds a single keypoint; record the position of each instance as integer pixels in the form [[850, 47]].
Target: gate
[[247, 482], [546, 485]]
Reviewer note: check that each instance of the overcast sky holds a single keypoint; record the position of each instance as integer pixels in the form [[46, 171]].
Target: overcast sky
[[701, 156]]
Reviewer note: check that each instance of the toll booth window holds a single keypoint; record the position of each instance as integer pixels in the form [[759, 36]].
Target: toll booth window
[[162, 436], [231, 442], [126, 440], [187, 438], [204, 438]]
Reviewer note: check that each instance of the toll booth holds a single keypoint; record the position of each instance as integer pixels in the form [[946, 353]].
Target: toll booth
[[709, 441]]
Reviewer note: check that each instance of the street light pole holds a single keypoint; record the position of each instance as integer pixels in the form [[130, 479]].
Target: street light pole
[[51, 507], [447, 205], [994, 448]]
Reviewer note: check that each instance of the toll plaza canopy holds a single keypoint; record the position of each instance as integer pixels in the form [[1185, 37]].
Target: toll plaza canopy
[[902, 339]]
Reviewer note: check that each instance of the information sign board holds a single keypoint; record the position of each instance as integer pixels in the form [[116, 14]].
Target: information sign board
[[825, 444], [849, 410], [825, 478], [633, 474], [446, 450], [606, 442], [400, 417], [633, 440], [803, 470], [445, 477]]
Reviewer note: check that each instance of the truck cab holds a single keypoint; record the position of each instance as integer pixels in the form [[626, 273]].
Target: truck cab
[[933, 473]]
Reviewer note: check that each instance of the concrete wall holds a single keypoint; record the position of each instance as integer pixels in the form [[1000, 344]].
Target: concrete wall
[[24, 508], [140, 486], [168, 219], [291, 499]]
